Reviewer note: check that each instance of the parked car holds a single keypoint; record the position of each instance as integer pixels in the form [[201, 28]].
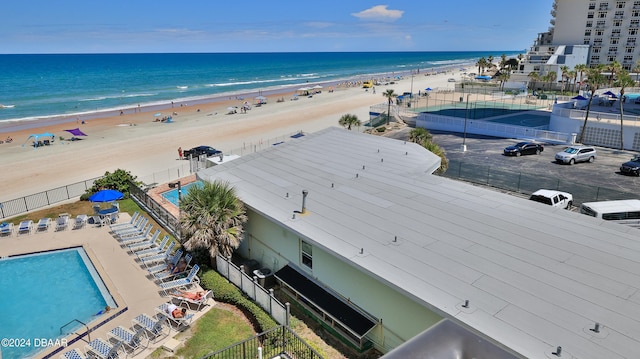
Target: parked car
[[575, 154], [451, 79], [632, 167], [553, 198], [524, 148], [201, 150]]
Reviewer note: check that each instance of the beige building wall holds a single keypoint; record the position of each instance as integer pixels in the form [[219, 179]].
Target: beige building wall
[[402, 317]]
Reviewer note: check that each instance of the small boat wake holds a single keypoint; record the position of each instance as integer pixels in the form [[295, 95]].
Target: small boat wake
[[7, 106]]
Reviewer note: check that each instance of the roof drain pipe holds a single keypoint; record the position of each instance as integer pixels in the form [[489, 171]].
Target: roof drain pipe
[[304, 201]]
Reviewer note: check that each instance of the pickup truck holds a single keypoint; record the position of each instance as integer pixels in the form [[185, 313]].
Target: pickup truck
[[553, 198]]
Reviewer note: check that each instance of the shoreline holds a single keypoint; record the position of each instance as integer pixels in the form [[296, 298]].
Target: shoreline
[[135, 142], [23, 124]]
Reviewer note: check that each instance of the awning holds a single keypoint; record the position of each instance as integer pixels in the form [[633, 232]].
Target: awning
[[319, 297]]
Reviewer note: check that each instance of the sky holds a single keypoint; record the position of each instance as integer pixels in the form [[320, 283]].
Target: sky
[[160, 26]]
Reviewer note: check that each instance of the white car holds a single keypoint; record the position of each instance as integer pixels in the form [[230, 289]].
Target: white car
[[553, 198]]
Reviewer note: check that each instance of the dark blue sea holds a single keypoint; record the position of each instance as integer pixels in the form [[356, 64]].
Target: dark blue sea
[[43, 86]]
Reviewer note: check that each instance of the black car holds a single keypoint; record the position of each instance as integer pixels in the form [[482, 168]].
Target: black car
[[524, 148], [632, 167], [201, 150]]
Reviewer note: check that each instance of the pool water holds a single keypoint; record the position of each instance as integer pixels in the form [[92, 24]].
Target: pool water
[[40, 293], [172, 195]]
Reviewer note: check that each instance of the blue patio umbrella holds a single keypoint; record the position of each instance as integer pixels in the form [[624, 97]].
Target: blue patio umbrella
[[428, 89], [609, 93], [106, 195], [579, 97]]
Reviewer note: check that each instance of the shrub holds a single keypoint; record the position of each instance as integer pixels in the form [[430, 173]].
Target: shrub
[[118, 180], [381, 129], [226, 292]]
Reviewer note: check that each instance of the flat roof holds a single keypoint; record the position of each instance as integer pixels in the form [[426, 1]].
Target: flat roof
[[536, 277]]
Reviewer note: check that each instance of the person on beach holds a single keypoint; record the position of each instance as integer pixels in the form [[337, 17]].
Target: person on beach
[[180, 152]]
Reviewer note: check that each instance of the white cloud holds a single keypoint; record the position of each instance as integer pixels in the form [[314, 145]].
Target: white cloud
[[379, 13]]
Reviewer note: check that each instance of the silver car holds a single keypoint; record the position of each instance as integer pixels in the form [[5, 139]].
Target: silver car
[[575, 154]]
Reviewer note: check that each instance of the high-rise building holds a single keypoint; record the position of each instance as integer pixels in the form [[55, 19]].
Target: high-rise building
[[586, 32]]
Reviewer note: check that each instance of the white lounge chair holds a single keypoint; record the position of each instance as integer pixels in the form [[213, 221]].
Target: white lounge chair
[[62, 222], [80, 221], [132, 340], [43, 225], [139, 226], [154, 327], [134, 219], [199, 303], [171, 262], [73, 354], [103, 349], [149, 243], [170, 275], [138, 238], [6, 230], [159, 257], [25, 227], [187, 282], [163, 309]]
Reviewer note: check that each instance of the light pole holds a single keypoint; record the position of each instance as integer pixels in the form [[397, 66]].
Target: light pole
[[464, 136], [179, 185]]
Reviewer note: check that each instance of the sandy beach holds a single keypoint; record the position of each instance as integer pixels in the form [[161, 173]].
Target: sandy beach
[[136, 143]]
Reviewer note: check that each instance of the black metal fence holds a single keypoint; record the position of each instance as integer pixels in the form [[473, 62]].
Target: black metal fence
[[279, 342], [155, 210], [28, 203], [528, 183]]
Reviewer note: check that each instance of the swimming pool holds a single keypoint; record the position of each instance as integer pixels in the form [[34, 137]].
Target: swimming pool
[[172, 195], [42, 292]]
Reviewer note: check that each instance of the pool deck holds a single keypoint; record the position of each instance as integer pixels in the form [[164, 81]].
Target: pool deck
[[124, 277], [156, 194]]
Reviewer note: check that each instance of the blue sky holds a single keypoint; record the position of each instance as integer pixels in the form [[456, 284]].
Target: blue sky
[[73, 26]]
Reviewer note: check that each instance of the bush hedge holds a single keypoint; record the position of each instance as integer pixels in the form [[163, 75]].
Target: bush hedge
[[226, 292]]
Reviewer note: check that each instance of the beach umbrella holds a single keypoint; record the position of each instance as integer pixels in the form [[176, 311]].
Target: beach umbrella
[[76, 132], [428, 89], [106, 195], [579, 97], [609, 93]]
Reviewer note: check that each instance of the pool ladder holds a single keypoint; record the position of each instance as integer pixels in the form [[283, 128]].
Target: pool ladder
[[80, 336]]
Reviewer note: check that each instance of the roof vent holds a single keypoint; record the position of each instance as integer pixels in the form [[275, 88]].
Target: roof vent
[[304, 201]]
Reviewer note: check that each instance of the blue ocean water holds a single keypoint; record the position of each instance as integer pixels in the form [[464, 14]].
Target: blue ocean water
[[39, 86]]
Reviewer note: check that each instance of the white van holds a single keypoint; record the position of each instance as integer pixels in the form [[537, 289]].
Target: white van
[[621, 210]]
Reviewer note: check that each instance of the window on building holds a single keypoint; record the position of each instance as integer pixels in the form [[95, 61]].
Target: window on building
[[629, 50], [617, 23], [613, 50], [615, 33], [592, 5], [595, 50], [586, 41], [597, 42], [636, 3], [604, 5], [619, 15], [634, 23], [614, 41], [306, 252], [635, 13], [627, 58], [632, 32], [595, 59], [600, 24], [599, 32], [620, 5], [611, 58], [589, 24], [631, 41], [587, 32], [590, 15]]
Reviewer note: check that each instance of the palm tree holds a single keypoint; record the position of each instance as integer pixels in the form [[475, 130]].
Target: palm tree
[[613, 67], [572, 79], [489, 61], [565, 75], [636, 69], [623, 80], [211, 218], [550, 77], [349, 120], [482, 63], [581, 69], [390, 95], [419, 135], [503, 77], [533, 76], [438, 151], [503, 61], [595, 79]]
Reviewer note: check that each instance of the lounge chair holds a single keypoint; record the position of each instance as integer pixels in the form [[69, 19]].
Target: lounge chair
[[189, 281], [43, 225], [138, 225], [25, 227], [80, 221], [168, 274], [132, 340], [163, 309], [134, 232], [133, 220], [100, 221], [149, 247], [103, 349], [154, 327], [171, 262], [73, 354], [62, 222], [189, 302], [159, 257], [6, 229], [137, 238]]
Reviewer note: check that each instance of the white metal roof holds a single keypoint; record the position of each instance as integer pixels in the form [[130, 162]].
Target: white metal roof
[[536, 277]]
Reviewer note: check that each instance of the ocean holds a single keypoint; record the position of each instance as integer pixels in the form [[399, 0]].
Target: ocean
[[89, 85]]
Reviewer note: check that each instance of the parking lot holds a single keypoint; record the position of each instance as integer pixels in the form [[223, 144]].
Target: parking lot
[[488, 151]]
